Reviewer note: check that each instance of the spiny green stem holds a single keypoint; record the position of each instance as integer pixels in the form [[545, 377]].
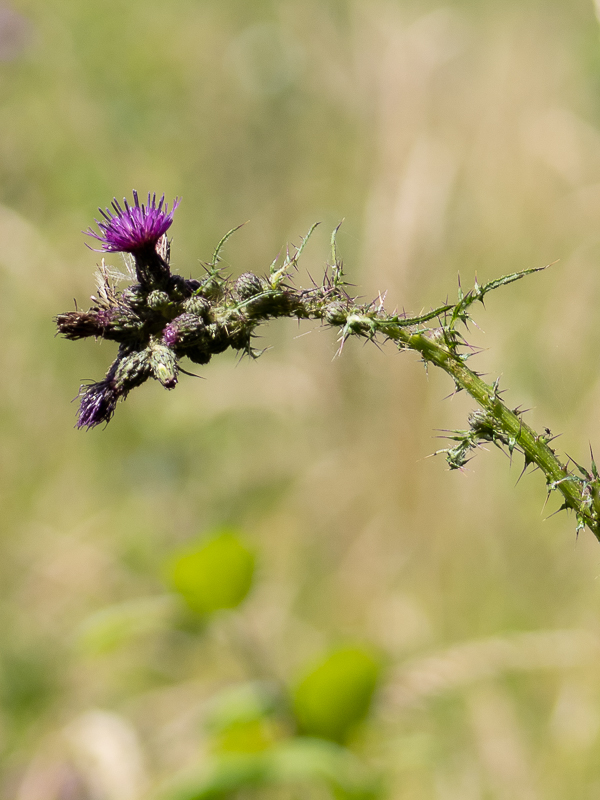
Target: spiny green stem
[[534, 446]]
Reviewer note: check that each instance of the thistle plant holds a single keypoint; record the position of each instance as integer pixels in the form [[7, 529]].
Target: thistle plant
[[162, 317]]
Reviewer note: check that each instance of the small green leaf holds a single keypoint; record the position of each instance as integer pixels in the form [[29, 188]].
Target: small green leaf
[[302, 760], [241, 703], [336, 694], [300, 763], [221, 777], [216, 575], [113, 626]]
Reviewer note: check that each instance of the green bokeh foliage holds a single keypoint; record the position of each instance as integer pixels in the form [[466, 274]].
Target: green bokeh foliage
[[216, 575], [336, 694], [300, 763]]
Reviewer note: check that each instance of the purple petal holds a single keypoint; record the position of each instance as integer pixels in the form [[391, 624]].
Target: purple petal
[[133, 227]]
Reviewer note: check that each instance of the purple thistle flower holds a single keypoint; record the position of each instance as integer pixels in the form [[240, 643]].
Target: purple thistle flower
[[133, 228], [98, 403]]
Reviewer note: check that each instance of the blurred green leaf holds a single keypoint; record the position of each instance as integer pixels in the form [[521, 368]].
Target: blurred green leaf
[[244, 702], [115, 625], [249, 736], [241, 718], [304, 759], [336, 694], [216, 575], [222, 776], [297, 762], [28, 679]]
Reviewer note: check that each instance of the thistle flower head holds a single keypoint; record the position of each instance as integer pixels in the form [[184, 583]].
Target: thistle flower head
[[133, 228], [98, 403]]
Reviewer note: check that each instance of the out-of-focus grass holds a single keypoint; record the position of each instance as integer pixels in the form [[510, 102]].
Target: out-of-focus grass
[[457, 138]]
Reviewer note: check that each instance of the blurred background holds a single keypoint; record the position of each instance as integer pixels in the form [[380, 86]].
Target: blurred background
[[258, 585]]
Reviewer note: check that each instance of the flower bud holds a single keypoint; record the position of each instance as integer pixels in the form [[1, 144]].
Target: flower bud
[[131, 370], [163, 365], [335, 314], [122, 323], [134, 296], [248, 285], [196, 305], [80, 324], [158, 300], [184, 330], [117, 323]]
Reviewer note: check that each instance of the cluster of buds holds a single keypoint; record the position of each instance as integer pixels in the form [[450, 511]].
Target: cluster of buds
[[161, 317]]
